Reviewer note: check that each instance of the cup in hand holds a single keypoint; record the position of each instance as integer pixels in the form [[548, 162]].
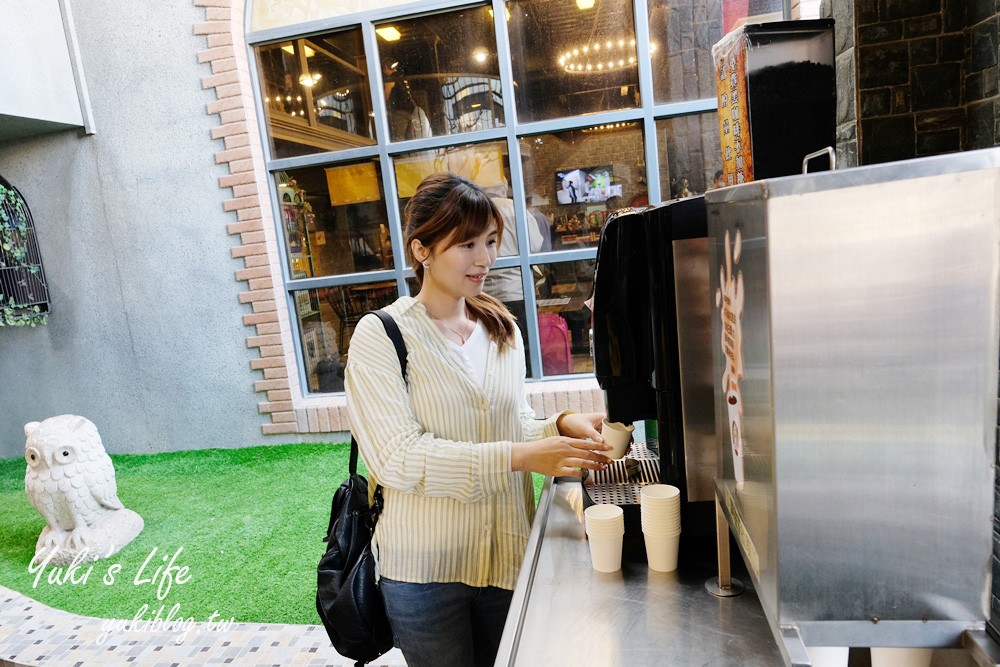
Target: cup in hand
[[660, 509], [605, 530], [618, 435]]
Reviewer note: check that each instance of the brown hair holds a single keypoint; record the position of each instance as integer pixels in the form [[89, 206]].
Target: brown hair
[[450, 209]]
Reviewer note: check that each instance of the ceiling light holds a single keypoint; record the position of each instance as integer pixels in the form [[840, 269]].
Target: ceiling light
[[585, 4], [505, 11], [287, 48], [308, 79], [587, 57], [480, 54], [388, 33]]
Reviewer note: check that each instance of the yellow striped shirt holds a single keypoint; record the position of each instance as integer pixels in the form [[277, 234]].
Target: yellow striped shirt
[[441, 448]]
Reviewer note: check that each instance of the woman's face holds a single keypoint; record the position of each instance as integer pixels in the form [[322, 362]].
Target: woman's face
[[460, 269]]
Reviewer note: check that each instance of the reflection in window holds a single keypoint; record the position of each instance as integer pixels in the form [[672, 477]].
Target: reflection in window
[[441, 74], [575, 179], [690, 159], [569, 60], [683, 32], [316, 94], [334, 220], [327, 317], [486, 165], [564, 318]]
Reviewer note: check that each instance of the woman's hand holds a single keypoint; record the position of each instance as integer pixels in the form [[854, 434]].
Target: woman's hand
[[583, 426], [559, 456]]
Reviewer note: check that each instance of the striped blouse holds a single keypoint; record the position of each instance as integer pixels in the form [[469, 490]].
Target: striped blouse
[[441, 448]]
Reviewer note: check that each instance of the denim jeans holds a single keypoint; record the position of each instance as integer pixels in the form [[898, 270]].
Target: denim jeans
[[446, 625]]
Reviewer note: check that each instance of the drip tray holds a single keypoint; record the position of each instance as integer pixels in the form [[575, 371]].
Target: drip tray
[[619, 483]]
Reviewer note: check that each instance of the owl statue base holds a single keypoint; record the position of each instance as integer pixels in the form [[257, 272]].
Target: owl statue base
[[70, 480], [105, 538]]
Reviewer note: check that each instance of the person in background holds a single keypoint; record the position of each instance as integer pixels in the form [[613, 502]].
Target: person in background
[[454, 446], [505, 284], [544, 226]]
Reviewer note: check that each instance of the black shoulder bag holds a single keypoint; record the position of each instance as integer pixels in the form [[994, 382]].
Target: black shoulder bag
[[347, 597]]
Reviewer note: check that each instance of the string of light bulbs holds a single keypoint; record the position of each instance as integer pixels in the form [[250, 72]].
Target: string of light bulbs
[[600, 56]]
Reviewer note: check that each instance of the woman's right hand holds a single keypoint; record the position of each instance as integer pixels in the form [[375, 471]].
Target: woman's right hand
[[559, 456]]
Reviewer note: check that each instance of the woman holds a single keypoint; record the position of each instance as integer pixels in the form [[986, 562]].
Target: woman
[[454, 446]]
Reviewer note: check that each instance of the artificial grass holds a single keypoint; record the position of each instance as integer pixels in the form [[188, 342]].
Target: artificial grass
[[247, 523]]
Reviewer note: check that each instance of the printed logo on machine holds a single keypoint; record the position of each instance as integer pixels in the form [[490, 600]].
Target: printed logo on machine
[[729, 301]]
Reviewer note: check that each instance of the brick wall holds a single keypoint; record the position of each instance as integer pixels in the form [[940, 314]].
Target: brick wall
[[926, 77]]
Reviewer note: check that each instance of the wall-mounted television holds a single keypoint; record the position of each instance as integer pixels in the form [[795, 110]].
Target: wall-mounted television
[[590, 184]]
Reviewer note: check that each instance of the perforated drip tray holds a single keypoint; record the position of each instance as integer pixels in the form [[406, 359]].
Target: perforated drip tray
[[620, 482]]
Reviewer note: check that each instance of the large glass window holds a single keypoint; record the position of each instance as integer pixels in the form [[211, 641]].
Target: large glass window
[[334, 219], [440, 74], [562, 291], [441, 77], [573, 58], [682, 33], [690, 157], [576, 178], [316, 95]]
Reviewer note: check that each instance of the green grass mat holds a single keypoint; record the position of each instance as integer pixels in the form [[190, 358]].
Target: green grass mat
[[247, 523]]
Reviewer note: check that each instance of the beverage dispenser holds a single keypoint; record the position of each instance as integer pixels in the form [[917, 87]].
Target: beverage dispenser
[[653, 358]]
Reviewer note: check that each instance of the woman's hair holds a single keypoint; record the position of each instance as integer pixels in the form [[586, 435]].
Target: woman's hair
[[448, 209]]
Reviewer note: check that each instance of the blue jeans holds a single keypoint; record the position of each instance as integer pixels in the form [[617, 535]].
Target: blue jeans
[[446, 625]]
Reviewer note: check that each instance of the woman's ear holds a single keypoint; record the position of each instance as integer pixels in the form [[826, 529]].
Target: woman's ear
[[419, 250]]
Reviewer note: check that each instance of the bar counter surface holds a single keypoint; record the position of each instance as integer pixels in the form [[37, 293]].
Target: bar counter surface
[[566, 613]]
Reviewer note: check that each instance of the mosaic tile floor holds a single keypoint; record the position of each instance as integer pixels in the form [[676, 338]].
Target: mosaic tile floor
[[33, 634]]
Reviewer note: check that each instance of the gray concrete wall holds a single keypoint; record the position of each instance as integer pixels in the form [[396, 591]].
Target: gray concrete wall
[[146, 337]]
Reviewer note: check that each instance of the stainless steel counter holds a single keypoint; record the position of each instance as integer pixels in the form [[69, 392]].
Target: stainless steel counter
[[565, 613]]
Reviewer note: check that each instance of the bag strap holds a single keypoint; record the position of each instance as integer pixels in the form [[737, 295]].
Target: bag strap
[[392, 330]]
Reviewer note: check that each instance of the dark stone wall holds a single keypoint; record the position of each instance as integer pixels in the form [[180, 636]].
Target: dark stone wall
[[927, 77]]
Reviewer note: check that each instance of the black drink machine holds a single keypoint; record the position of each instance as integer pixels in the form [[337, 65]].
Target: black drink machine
[[653, 359]]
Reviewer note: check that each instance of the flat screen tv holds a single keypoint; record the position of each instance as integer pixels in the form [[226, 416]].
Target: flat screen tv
[[590, 184]]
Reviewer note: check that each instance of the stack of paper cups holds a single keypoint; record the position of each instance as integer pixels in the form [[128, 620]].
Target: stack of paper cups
[[660, 507], [605, 530]]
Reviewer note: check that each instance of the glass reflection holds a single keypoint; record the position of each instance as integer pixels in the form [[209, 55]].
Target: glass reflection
[[680, 50], [690, 157], [576, 178], [334, 219], [440, 74], [573, 58], [316, 94], [327, 317], [564, 316]]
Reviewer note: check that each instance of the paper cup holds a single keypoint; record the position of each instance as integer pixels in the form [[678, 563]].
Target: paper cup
[[660, 493], [617, 435], [901, 657], [661, 552], [828, 656], [606, 552]]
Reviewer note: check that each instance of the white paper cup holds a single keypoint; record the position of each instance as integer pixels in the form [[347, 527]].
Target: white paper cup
[[606, 552], [660, 493], [617, 435], [661, 552], [828, 656], [660, 529], [901, 657]]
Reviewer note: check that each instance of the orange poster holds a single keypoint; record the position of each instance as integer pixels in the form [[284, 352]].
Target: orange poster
[[730, 58]]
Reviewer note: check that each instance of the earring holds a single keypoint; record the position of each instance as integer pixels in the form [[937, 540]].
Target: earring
[[427, 266]]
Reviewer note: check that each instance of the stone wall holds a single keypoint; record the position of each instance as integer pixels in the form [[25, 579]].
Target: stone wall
[[926, 77]]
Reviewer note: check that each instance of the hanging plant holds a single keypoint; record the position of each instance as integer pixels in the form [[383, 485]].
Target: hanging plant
[[24, 295]]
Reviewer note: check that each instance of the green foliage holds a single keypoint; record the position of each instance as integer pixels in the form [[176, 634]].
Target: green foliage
[[14, 237]]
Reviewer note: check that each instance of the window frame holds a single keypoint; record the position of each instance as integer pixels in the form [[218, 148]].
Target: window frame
[[385, 151]]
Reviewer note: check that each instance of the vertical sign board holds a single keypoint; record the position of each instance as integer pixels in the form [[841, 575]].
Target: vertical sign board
[[730, 57]]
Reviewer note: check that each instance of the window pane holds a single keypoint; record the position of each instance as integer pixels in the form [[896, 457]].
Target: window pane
[[682, 33], [576, 178], [569, 61], [690, 157], [440, 74], [316, 95], [505, 285], [334, 219], [327, 318], [486, 165], [564, 319]]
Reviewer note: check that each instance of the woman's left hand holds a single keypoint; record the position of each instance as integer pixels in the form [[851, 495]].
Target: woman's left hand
[[581, 425]]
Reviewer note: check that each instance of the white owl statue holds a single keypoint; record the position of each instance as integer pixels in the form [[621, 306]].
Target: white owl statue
[[70, 480]]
